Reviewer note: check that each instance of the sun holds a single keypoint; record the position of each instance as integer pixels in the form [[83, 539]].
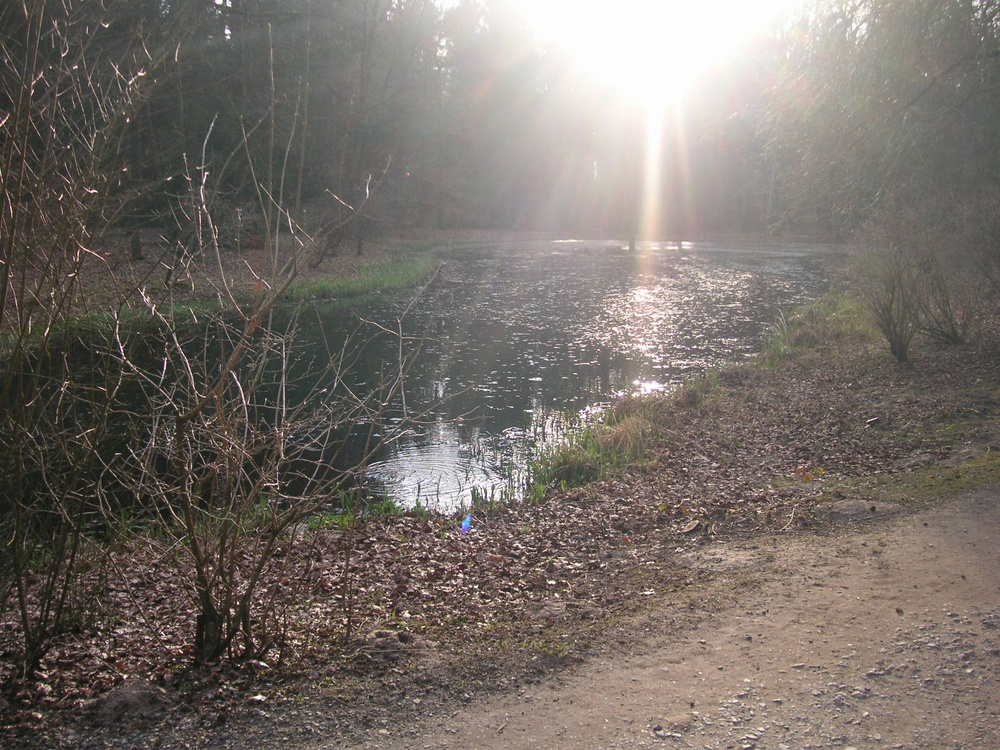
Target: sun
[[650, 51]]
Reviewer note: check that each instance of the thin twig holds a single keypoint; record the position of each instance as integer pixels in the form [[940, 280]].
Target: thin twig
[[790, 518]]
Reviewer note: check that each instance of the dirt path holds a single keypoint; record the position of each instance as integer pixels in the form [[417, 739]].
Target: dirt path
[[887, 636]]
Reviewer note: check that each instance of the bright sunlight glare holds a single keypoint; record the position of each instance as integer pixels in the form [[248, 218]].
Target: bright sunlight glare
[[651, 51]]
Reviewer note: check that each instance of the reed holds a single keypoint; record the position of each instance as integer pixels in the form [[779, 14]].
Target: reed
[[589, 454], [834, 318]]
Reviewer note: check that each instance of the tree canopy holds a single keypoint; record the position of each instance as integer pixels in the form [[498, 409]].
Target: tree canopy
[[833, 112]]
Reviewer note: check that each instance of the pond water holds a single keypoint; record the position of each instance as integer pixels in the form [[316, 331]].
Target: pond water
[[513, 342]]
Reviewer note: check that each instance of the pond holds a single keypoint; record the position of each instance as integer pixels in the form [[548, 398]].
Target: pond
[[514, 341]]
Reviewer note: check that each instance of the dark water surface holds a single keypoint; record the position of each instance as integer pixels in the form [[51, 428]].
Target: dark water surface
[[515, 339]]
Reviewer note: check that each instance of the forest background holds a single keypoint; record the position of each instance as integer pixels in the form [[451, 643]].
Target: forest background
[[836, 115]]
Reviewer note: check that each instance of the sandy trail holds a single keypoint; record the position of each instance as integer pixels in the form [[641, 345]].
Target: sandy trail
[[884, 636]]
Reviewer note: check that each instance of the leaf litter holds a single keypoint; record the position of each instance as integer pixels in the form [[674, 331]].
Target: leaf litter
[[495, 599]]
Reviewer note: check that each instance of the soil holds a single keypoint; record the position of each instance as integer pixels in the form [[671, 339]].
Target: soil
[[807, 558], [887, 636]]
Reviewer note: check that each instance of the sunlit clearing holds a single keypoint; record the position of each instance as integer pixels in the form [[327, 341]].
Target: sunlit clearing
[[651, 51]]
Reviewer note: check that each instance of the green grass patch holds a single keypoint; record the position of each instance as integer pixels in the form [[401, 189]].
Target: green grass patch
[[928, 484], [94, 331], [698, 392], [421, 246], [403, 273], [343, 518], [591, 454], [834, 319]]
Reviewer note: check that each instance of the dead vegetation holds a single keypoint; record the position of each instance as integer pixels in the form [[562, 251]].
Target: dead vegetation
[[757, 448]]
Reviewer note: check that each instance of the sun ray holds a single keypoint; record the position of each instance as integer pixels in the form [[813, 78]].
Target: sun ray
[[651, 219], [649, 51]]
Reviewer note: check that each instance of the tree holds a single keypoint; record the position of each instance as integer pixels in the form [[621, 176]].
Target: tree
[[878, 100]]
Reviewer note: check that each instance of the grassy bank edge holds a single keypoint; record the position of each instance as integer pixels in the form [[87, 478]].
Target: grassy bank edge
[[409, 270], [635, 425], [399, 267]]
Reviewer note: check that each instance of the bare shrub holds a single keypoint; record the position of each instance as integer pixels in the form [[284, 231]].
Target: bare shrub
[[230, 464], [920, 276], [953, 295], [980, 233], [65, 108], [134, 408], [891, 286]]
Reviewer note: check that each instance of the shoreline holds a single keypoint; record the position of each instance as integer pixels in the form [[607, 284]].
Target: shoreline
[[826, 436]]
